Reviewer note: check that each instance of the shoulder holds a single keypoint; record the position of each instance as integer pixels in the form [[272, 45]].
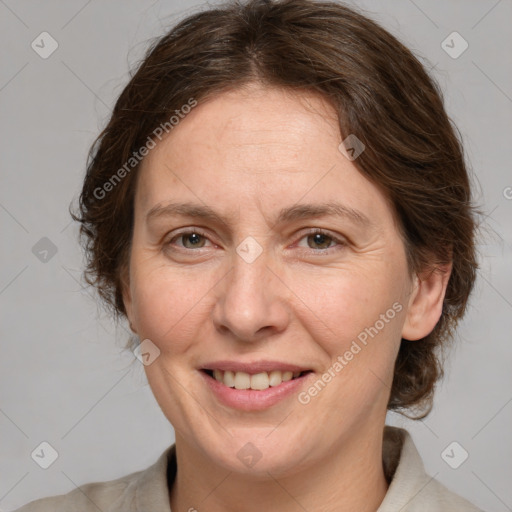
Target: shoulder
[[437, 497], [132, 492], [411, 489], [88, 497]]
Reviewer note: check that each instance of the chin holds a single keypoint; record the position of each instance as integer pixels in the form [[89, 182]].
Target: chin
[[259, 452]]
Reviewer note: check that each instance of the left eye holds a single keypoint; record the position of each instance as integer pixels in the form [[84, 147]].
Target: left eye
[[318, 239]]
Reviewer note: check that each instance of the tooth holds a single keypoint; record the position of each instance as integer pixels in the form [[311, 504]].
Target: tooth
[[275, 378], [242, 380], [229, 379], [260, 381], [287, 376]]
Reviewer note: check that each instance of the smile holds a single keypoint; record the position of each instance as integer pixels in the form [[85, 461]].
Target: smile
[[255, 386], [257, 381]]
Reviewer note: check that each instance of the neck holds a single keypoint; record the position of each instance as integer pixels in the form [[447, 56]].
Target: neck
[[350, 478]]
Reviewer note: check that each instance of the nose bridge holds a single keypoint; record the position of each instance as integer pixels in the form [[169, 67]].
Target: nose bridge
[[250, 270], [251, 302]]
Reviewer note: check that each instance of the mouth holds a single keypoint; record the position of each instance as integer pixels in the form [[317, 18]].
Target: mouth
[[259, 381], [254, 386]]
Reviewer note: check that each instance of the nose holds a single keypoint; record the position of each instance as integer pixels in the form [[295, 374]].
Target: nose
[[252, 301]]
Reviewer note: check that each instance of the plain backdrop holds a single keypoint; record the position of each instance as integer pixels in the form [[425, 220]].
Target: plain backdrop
[[64, 378]]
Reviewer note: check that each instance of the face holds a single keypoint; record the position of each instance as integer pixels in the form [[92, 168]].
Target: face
[[263, 263]]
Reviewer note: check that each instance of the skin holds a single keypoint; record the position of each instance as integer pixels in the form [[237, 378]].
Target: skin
[[246, 154]]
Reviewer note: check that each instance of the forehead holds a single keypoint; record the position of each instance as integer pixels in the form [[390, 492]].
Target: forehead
[[256, 146]]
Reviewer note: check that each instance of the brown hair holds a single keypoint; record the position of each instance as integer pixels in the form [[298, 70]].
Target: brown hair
[[381, 93]]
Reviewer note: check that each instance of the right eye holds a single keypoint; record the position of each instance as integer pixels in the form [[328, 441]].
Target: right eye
[[191, 239]]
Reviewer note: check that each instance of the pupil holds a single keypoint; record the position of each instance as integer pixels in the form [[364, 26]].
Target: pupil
[[193, 238], [320, 238]]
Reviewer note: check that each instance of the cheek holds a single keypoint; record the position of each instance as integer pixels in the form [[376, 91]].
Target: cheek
[[360, 322], [343, 303], [355, 316], [168, 306]]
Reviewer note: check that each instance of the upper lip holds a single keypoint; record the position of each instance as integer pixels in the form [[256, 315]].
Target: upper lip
[[255, 367]]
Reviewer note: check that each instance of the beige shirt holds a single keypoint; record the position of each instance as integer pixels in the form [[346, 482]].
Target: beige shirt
[[411, 489]]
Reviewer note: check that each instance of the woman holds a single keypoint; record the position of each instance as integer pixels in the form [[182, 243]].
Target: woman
[[280, 207]]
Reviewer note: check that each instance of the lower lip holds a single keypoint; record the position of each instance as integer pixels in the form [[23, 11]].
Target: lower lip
[[252, 399]]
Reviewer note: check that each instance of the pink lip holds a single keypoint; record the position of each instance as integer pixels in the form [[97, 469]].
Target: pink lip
[[251, 399], [252, 368]]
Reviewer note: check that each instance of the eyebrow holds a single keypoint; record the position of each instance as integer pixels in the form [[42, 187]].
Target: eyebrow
[[289, 214]]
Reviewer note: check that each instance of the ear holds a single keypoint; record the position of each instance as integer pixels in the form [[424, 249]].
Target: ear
[[426, 302], [127, 296]]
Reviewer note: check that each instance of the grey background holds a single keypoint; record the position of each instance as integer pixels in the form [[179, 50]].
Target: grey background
[[64, 378]]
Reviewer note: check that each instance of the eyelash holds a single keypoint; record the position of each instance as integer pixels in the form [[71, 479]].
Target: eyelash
[[311, 231]]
